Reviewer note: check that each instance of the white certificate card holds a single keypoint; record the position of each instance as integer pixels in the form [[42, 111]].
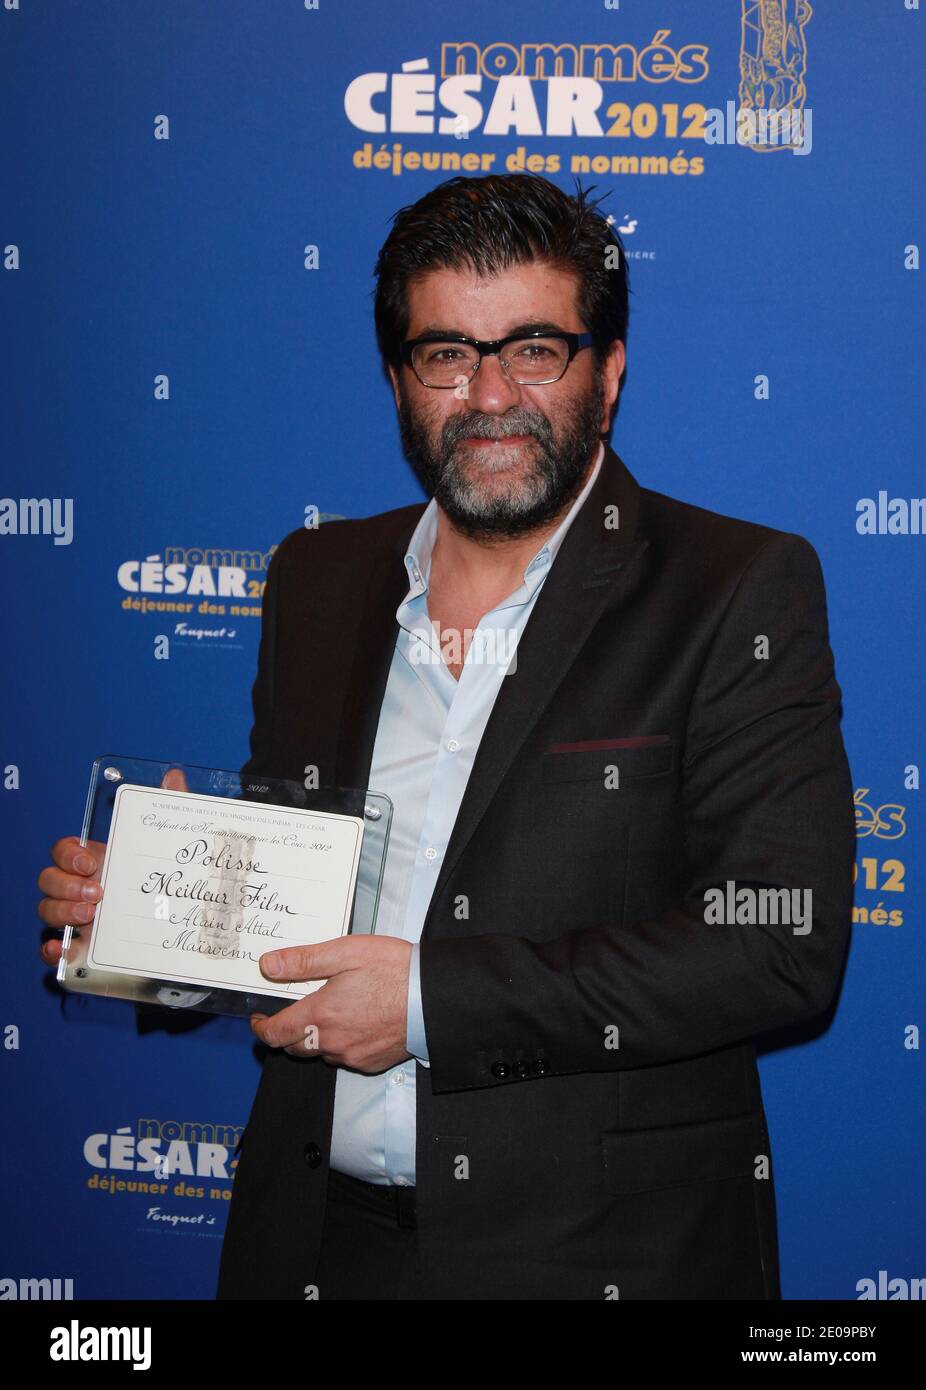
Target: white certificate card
[[197, 888]]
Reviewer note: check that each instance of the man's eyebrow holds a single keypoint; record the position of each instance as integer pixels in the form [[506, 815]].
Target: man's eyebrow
[[527, 326]]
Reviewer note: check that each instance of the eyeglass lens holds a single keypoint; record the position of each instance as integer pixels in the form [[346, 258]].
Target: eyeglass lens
[[528, 359]]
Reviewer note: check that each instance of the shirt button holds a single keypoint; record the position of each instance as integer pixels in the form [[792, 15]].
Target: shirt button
[[430, 852], [397, 1078], [416, 574], [401, 1182], [452, 745]]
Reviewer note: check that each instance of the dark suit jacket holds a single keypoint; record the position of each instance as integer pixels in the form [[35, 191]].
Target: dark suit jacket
[[590, 1166]]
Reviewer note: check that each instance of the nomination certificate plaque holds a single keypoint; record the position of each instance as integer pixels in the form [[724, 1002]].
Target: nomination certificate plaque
[[205, 869]]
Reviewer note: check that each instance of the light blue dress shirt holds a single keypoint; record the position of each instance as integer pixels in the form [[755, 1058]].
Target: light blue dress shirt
[[429, 730]]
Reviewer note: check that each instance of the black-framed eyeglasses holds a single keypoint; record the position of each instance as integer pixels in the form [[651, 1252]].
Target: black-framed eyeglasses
[[529, 359]]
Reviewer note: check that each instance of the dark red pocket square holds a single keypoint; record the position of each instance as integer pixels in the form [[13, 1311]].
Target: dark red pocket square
[[600, 745]]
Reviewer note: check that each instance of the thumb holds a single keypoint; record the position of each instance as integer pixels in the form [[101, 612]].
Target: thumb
[[317, 962], [174, 780]]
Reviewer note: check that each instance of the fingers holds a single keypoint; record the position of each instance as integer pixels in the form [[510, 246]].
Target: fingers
[[58, 912], [71, 888], [55, 883], [69, 854], [50, 951], [71, 885], [294, 1028]]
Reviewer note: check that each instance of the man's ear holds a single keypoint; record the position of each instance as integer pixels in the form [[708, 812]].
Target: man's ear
[[612, 369], [394, 378]]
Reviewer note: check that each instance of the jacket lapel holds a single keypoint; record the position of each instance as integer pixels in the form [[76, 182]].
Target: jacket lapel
[[376, 631], [592, 572]]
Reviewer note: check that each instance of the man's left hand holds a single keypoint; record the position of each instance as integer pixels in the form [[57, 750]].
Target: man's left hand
[[358, 1019]]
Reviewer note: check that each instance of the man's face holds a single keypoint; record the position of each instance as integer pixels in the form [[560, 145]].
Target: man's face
[[506, 458]]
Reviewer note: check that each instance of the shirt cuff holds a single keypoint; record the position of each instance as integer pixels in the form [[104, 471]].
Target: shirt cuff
[[415, 1040]]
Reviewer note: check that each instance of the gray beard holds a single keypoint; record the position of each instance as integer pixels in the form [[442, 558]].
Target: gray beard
[[553, 483]]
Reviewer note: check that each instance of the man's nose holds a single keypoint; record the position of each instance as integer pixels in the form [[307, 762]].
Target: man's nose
[[490, 389]]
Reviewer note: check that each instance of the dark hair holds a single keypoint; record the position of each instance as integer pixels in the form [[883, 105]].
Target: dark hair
[[492, 223]]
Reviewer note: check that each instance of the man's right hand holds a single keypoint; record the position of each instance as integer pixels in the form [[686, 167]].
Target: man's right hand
[[71, 882], [72, 887]]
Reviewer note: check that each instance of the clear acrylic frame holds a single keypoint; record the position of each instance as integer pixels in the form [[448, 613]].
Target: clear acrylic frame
[[112, 772]]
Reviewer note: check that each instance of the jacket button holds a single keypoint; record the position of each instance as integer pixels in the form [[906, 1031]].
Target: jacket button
[[312, 1155], [522, 1068], [541, 1066], [500, 1070]]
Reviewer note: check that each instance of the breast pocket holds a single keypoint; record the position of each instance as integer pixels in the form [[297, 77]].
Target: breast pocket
[[620, 760]]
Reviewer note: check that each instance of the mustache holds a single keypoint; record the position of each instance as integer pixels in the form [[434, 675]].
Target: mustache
[[483, 428]]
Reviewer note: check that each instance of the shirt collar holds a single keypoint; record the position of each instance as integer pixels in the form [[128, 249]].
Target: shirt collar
[[421, 545]]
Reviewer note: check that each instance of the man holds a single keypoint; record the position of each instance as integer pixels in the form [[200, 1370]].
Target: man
[[609, 725]]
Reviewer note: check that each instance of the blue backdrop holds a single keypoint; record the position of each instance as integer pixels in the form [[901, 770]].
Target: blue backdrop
[[194, 195]]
